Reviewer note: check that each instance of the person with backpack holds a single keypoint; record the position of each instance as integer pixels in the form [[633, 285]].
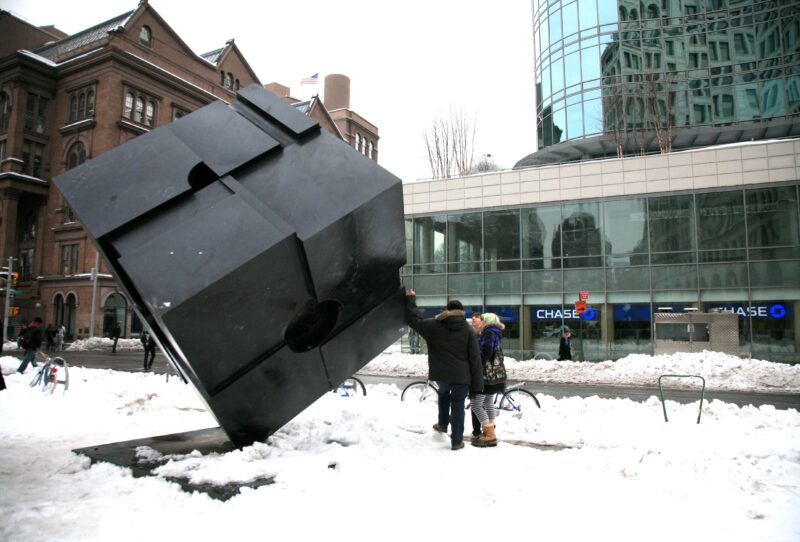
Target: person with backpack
[[30, 340], [494, 379]]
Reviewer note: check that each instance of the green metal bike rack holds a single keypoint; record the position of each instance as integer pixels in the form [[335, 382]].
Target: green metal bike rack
[[661, 392]]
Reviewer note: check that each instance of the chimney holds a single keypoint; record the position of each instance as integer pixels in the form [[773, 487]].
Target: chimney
[[337, 92], [281, 91]]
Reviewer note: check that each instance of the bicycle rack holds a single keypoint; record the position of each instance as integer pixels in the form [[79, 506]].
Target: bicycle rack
[[661, 393]]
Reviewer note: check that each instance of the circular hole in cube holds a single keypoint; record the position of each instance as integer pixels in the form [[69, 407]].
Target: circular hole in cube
[[312, 325]]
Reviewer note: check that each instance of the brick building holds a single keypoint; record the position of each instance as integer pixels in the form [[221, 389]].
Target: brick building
[[63, 100]]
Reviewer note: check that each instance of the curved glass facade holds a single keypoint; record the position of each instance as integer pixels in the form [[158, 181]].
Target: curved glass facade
[[639, 71], [737, 250]]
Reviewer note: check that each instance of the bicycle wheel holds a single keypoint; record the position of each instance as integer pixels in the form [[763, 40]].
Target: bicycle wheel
[[543, 356], [518, 400], [419, 391], [352, 387]]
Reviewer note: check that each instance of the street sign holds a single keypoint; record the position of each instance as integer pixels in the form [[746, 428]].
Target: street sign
[[11, 291], [583, 295], [580, 307]]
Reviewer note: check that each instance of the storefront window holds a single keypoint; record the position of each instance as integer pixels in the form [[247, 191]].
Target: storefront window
[[501, 238], [772, 217], [672, 225], [464, 243], [581, 234], [429, 248], [720, 220], [625, 228], [632, 329], [540, 233]]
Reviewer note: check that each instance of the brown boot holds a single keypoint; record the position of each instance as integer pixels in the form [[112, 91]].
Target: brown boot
[[487, 439]]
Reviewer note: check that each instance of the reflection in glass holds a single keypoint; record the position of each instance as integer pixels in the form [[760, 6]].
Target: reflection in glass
[[464, 242], [501, 237], [429, 244], [720, 220], [579, 232], [626, 229], [540, 225], [587, 14], [772, 217], [728, 275], [674, 277], [672, 225], [627, 278]]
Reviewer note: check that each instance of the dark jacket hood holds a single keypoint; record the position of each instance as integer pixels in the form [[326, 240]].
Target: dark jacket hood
[[452, 320]]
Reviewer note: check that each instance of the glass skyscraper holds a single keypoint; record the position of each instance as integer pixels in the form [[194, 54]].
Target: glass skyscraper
[[622, 77]]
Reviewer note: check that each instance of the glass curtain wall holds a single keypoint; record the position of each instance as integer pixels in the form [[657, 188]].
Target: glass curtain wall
[[622, 66], [734, 250]]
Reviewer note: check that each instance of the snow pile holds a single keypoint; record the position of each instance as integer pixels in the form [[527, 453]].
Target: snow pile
[[104, 343], [721, 371], [368, 468]]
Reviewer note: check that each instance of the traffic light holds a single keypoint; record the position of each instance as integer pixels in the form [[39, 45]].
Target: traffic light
[[14, 279], [13, 311]]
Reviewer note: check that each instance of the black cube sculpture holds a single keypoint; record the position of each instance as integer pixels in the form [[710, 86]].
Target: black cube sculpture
[[263, 252]]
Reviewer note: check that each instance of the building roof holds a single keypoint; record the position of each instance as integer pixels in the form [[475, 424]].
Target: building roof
[[303, 107], [213, 56], [83, 38]]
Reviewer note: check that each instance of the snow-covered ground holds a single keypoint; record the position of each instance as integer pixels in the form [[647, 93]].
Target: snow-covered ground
[[371, 468]]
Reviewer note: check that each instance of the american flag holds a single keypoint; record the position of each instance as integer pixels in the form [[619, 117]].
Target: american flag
[[310, 80]]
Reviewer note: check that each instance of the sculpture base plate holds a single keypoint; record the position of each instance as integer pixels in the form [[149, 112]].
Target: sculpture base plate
[[205, 441]]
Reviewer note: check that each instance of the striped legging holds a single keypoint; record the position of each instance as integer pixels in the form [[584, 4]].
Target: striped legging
[[482, 406]]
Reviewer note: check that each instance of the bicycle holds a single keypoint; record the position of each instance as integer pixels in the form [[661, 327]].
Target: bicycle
[[48, 376], [351, 387], [514, 399]]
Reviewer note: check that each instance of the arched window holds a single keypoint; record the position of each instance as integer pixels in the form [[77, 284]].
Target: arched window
[[222, 78], [358, 142], [82, 105], [236, 85], [652, 11], [5, 110], [228, 80], [114, 311], [634, 15], [128, 111], [145, 36], [73, 108], [90, 104], [76, 155], [69, 315], [138, 113], [149, 112], [369, 150], [623, 13], [58, 310]]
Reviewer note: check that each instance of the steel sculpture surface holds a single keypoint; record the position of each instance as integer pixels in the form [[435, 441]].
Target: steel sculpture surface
[[263, 252]]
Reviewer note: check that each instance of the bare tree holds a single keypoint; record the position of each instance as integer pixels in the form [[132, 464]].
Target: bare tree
[[450, 145], [660, 97], [614, 119]]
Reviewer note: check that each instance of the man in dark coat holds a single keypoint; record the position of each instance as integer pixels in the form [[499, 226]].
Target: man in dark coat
[[454, 362], [115, 333], [564, 347], [31, 340], [149, 349]]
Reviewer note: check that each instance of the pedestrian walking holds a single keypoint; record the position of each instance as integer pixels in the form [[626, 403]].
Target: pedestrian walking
[[50, 336], [565, 347], [30, 340], [494, 379], [61, 331], [115, 333], [454, 362], [149, 349]]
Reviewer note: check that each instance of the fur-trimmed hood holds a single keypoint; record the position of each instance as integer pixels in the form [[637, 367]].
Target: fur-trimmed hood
[[448, 314]]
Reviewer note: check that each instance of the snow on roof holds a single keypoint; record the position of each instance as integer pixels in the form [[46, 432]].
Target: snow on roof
[[83, 38]]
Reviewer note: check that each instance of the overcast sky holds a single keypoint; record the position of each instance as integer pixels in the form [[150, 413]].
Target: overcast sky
[[407, 61]]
